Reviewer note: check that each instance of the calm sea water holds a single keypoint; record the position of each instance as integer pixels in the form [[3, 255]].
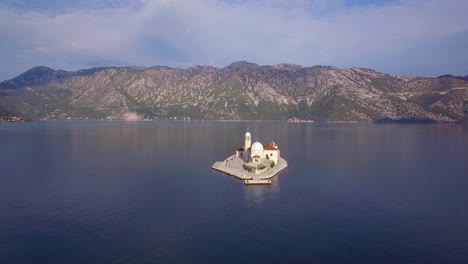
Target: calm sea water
[[111, 192]]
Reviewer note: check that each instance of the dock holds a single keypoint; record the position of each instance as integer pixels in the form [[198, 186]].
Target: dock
[[257, 182]]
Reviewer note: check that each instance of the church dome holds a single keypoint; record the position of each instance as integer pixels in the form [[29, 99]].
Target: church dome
[[257, 146]]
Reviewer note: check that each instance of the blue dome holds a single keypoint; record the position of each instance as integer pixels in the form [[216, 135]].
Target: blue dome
[[257, 146]]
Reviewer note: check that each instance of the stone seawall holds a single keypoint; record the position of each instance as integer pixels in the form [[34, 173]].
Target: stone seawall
[[233, 166]]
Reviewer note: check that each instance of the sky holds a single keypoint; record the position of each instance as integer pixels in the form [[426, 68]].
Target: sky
[[404, 37]]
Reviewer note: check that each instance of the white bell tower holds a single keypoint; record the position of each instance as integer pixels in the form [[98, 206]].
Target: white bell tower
[[248, 141]]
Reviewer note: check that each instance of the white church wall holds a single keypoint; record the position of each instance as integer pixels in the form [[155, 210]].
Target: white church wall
[[272, 155]]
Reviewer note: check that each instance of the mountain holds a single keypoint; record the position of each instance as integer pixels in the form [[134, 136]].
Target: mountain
[[42, 75], [456, 77], [242, 90]]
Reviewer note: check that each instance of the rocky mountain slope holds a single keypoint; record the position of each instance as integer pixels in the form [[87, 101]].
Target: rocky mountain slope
[[241, 90]]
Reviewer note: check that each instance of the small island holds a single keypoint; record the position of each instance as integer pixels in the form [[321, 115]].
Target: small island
[[254, 164]]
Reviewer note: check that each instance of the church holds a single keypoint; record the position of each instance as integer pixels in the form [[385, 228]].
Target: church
[[256, 153], [253, 163]]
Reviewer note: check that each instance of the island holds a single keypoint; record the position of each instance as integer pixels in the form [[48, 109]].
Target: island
[[253, 163]]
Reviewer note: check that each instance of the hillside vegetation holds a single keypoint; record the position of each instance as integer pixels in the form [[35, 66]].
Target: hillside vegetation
[[241, 90]]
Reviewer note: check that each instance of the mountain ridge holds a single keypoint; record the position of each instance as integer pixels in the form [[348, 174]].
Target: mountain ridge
[[465, 78], [241, 90]]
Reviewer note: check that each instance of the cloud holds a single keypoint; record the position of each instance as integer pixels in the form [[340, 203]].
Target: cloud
[[403, 37]]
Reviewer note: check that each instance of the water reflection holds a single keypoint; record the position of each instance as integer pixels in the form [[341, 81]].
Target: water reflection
[[257, 194]]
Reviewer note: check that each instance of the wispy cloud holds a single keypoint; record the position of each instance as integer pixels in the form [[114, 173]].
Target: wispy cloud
[[403, 37]]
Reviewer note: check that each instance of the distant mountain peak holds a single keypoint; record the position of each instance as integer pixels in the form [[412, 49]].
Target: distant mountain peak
[[446, 76], [40, 68], [35, 76], [41, 75], [287, 67], [242, 63], [452, 76]]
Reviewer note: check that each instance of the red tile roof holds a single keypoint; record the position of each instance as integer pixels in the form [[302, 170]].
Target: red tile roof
[[271, 146]]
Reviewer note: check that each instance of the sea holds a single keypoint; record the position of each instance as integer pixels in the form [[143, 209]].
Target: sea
[[144, 192]]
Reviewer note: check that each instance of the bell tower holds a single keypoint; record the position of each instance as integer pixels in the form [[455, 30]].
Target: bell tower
[[248, 141]]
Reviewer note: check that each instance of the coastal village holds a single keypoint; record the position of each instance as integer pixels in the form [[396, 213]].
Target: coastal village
[[253, 163], [11, 119]]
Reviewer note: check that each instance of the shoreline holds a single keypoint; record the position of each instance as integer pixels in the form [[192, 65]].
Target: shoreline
[[233, 166], [377, 122]]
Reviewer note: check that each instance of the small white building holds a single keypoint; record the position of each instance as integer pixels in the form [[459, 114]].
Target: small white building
[[272, 152]]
